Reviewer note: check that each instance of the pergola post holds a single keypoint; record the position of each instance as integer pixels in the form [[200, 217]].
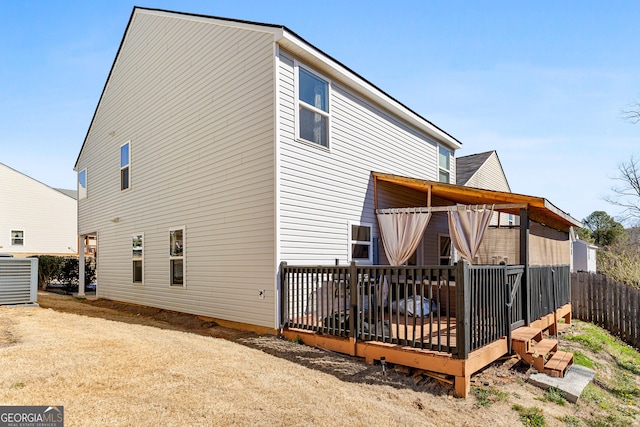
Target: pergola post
[[524, 261]]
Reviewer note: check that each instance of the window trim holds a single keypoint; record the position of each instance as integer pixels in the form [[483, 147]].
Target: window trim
[[183, 257], [134, 259], [440, 168], [82, 194], [127, 166], [301, 104], [21, 238], [366, 261]]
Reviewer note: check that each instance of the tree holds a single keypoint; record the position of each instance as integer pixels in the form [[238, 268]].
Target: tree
[[584, 234], [627, 194], [604, 229]]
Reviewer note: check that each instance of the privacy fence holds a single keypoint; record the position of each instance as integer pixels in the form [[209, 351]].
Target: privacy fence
[[612, 305]]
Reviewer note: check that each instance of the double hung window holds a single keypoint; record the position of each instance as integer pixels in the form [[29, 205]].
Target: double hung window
[[137, 248], [360, 242], [313, 108], [125, 166], [444, 164], [176, 257], [17, 237]]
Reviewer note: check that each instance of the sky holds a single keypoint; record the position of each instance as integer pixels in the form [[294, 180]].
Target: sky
[[544, 83]]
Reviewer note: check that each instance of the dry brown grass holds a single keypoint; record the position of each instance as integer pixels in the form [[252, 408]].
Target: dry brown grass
[[124, 373]]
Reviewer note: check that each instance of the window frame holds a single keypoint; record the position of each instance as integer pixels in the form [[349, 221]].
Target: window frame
[[135, 259], [126, 167], [450, 257], [299, 104], [442, 168], [82, 191], [182, 258], [366, 261], [13, 239]]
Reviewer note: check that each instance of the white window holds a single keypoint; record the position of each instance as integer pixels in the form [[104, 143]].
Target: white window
[[137, 255], [176, 257], [360, 242], [82, 184], [17, 237], [444, 164], [313, 119], [125, 163]]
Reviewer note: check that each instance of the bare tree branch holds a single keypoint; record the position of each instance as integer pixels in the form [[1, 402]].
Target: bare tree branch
[[627, 194], [633, 114]]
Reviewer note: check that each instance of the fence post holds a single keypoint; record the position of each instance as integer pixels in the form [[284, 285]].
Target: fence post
[[463, 310], [353, 299], [284, 296]]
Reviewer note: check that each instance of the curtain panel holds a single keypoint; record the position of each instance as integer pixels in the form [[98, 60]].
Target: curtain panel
[[467, 228], [401, 233]]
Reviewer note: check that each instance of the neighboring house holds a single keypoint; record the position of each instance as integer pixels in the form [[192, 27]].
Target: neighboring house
[[484, 170], [583, 256], [220, 149], [35, 219]]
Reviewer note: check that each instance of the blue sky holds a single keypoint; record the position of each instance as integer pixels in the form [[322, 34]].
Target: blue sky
[[543, 82]]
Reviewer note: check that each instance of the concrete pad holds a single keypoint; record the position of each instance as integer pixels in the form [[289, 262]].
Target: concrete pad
[[575, 380]]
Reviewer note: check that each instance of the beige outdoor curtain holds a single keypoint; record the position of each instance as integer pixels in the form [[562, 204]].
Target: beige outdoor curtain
[[467, 227], [401, 231]]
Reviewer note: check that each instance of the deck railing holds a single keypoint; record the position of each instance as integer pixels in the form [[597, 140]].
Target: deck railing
[[549, 288], [453, 309]]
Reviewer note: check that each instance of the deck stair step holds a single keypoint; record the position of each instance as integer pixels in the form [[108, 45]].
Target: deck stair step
[[558, 364], [523, 339], [540, 352]]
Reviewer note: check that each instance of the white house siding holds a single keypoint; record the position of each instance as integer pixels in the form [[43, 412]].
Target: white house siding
[[322, 190], [196, 100], [47, 217]]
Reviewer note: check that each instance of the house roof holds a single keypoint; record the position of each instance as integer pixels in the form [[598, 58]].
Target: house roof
[[540, 209], [467, 166], [70, 193], [292, 42], [59, 190]]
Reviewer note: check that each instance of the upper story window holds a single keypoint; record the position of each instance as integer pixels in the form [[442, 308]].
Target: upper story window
[[17, 237], [361, 242], [125, 163], [444, 165], [82, 184], [313, 108]]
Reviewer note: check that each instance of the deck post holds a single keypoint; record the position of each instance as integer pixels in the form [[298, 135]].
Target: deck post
[[462, 386], [524, 260], [284, 296], [463, 310], [353, 299]]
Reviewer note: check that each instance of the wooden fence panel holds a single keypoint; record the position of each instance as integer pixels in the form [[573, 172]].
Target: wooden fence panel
[[612, 305]]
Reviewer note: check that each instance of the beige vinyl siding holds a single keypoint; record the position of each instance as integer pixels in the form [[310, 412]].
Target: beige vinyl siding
[[196, 99], [322, 190], [47, 217], [490, 176]]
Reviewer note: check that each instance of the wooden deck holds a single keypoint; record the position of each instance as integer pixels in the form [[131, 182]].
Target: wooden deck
[[401, 353]]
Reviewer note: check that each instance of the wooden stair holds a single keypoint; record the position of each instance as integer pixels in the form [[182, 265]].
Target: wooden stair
[[540, 352]]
